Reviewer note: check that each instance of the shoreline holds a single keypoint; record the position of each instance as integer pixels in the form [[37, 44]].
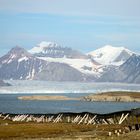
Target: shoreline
[[46, 97], [115, 96]]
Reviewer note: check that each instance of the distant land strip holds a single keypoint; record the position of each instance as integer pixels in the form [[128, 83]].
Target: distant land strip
[[46, 97], [116, 96]]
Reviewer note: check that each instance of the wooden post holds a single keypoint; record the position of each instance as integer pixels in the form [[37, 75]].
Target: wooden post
[[50, 118], [82, 119], [123, 118], [6, 117], [105, 121], [58, 118], [86, 119], [91, 120], [68, 119], [110, 120], [76, 119]]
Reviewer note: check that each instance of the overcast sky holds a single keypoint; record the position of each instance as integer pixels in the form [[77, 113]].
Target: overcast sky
[[81, 24]]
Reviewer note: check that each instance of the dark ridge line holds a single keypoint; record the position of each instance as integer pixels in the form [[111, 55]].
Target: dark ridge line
[[135, 112]]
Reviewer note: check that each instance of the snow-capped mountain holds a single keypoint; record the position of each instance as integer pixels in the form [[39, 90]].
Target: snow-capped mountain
[[86, 66], [62, 72], [45, 62], [20, 64], [51, 52], [109, 55], [128, 72], [131, 69], [43, 47], [50, 49]]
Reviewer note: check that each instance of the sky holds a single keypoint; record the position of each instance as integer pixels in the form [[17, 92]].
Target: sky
[[81, 24]]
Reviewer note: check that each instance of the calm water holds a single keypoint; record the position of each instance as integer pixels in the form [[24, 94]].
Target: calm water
[[10, 104]]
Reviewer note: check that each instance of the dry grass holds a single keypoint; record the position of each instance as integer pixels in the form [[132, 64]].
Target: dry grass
[[122, 93], [57, 131], [39, 130], [16, 130], [115, 96]]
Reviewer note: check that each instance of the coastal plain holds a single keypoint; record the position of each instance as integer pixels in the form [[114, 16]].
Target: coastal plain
[[114, 96], [56, 131], [10, 130]]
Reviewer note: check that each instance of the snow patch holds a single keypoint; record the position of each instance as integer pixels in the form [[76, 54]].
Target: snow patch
[[78, 64], [9, 60], [23, 59], [33, 73]]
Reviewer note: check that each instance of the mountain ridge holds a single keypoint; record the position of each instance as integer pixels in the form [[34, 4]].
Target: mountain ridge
[[109, 55], [50, 49], [20, 64], [123, 66]]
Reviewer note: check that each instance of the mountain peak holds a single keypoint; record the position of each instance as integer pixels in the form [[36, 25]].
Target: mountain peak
[[112, 48], [43, 46], [109, 55], [17, 50]]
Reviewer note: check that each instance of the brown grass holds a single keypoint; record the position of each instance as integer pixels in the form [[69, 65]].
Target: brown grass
[[122, 93], [39, 130], [15, 131], [115, 96]]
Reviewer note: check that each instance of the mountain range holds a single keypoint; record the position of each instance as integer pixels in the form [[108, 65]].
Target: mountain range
[[52, 62]]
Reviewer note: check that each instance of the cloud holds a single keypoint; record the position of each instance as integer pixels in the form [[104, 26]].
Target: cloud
[[74, 7]]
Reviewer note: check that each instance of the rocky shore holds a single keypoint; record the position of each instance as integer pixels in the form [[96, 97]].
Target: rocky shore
[[114, 97]]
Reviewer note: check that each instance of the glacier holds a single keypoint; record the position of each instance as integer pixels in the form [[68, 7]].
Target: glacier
[[43, 87]]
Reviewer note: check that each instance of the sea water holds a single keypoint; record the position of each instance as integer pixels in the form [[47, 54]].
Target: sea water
[[9, 102]]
